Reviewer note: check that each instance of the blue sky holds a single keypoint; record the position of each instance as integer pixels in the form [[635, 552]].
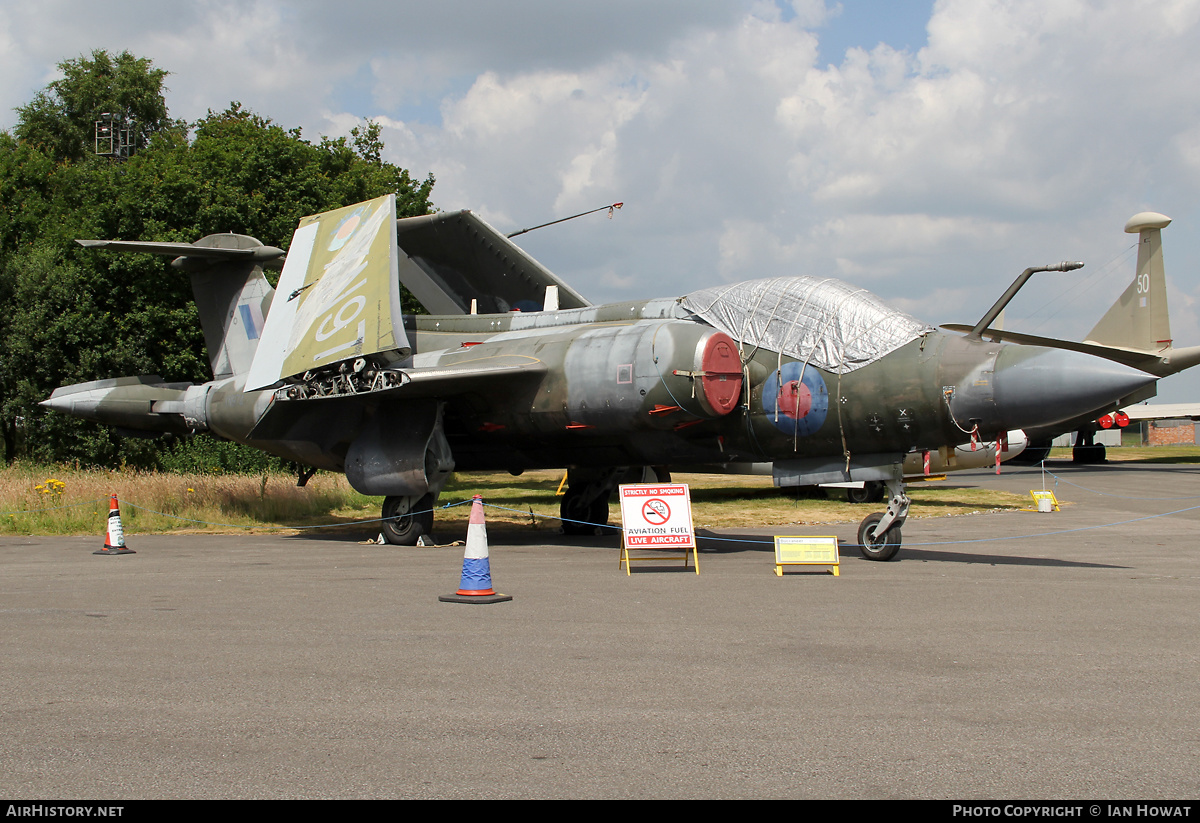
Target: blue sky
[[865, 24], [927, 151]]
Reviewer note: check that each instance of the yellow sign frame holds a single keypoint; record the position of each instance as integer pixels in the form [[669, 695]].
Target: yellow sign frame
[[806, 550]]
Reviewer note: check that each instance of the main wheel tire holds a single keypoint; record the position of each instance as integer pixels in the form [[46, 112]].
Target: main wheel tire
[[878, 490], [404, 529], [854, 495], [580, 517], [871, 492], [1095, 453], [883, 547], [575, 513]]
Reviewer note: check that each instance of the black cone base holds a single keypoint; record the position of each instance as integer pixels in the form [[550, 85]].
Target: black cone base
[[474, 598]]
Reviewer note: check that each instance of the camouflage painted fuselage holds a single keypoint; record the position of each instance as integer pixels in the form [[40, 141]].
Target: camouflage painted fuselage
[[633, 384]]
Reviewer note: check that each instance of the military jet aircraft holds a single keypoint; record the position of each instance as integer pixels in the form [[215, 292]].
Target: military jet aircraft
[[819, 378], [1136, 331]]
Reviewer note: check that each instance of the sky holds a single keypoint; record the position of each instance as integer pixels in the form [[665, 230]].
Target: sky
[[926, 150]]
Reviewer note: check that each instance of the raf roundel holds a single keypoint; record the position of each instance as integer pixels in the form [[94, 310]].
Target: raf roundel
[[795, 399], [345, 229]]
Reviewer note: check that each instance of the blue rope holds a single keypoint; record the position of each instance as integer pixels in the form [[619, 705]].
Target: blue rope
[[1057, 479]]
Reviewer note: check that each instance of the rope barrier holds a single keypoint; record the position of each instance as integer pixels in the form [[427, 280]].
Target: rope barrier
[[1058, 479]]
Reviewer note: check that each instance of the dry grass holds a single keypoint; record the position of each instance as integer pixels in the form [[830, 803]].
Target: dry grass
[[158, 502], [153, 502]]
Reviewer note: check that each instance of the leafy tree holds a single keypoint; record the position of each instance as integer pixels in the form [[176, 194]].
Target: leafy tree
[[61, 119], [69, 315]]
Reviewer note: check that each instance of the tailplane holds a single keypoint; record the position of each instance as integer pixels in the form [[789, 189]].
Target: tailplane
[[232, 295]]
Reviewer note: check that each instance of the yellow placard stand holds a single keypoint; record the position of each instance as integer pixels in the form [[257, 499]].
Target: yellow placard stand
[[807, 551], [1039, 496]]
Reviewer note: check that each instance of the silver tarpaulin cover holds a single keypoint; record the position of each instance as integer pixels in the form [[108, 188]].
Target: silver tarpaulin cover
[[822, 321]]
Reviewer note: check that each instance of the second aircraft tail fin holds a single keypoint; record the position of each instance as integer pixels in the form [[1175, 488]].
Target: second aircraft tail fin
[[1139, 319]]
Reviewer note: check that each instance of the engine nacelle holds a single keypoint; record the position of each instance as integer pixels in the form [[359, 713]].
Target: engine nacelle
[[401, 451], [618, 376]]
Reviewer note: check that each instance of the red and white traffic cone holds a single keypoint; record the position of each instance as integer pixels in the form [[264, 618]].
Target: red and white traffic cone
[[114, 542], [476, 583]]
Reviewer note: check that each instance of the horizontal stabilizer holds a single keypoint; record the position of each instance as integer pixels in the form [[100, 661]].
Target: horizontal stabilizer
[[232, 295], [191, 254], [452, 258]]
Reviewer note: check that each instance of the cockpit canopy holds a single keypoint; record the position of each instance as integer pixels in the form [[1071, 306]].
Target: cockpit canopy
[[822, 321]]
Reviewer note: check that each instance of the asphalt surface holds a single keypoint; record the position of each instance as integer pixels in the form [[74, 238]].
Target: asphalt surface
[[1002, 656]]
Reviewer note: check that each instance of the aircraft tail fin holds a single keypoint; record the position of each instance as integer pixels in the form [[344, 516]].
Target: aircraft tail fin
[[1139, 319], [232, 295]]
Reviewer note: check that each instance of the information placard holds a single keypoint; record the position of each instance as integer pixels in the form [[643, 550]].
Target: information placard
[[807, 551]]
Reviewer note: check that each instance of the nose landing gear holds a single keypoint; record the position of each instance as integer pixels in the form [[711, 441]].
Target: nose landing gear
[[879, 533]]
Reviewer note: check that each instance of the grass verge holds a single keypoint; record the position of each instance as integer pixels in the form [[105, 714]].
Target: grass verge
[[76, 502]]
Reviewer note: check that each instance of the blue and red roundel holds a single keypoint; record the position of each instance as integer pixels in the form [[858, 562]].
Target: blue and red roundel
[[345, 229], [795, 404]]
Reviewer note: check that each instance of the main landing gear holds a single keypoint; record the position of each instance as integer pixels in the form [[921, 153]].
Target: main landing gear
[[871, 492], [1086, 449], [584, 507], [405, 519], [879, 532]]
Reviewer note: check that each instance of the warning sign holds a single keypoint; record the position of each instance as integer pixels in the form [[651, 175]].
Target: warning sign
[[657, 516]]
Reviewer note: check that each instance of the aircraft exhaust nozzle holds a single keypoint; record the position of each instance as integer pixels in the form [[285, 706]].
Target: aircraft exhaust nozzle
[[1032, 386]]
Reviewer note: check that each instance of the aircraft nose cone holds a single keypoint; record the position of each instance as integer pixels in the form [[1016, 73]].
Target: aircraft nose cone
[[1034, 386]]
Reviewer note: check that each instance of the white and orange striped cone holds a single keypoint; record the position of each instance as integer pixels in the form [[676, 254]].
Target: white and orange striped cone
[[476, 583], [114, 541]]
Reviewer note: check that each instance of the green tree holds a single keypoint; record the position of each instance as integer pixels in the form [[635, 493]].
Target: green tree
[[69, 315], [61, 120]]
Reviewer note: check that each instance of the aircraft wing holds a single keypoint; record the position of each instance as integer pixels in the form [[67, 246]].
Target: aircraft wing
[[338, 297], [478, 375], [1144, 360], [1163, 411], [452, 258]]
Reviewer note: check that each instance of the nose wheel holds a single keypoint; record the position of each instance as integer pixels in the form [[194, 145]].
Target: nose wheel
[[879, 532], [875, 544]]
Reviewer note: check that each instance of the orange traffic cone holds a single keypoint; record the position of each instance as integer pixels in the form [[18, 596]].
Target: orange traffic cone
[[476, 583], [114, 543]]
